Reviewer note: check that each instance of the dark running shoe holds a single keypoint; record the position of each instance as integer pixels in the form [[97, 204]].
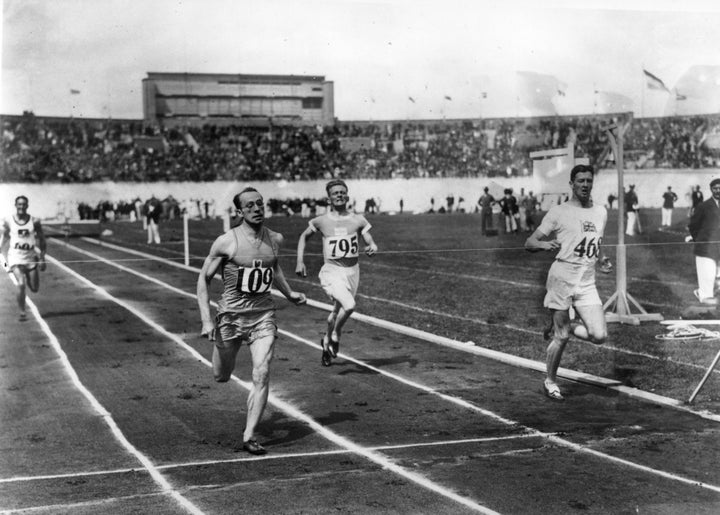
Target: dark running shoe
[[547, 332], [326, 358], [253, 447]]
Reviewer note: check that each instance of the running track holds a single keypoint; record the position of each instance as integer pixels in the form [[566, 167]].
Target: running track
[[108, 405]]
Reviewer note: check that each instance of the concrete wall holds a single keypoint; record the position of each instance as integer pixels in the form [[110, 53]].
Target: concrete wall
[[47, 200]]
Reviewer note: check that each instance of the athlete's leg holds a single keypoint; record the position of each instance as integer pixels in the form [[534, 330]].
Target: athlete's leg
[[346, 301], [19, 273], [223, 358], [262, 353], [560, 337], [331, 322], [33, 279], [594, 327], [706, 269]]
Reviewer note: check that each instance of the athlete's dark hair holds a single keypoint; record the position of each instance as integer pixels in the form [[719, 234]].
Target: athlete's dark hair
[[580, 168], [236, 198], [22, 197], [335, 182]]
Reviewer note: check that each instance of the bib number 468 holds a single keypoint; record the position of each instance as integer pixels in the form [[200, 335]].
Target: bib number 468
[[588, 247]]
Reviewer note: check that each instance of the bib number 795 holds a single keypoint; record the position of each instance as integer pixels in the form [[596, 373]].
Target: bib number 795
[[588, 247], [343, 247]]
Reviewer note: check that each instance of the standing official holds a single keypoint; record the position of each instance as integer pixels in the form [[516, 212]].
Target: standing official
[[154, 212], [669, 199], [631, 207], [486, 203], [705, 232]]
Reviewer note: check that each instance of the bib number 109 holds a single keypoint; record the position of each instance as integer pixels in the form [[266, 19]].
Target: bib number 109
[[254, 280], [588, 247]]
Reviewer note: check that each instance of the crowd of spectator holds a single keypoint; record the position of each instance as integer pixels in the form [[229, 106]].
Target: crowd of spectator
[[171, 208], [76, 150]]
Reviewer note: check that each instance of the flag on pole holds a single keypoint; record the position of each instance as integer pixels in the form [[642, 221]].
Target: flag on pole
[[654, 82], [74, 91]]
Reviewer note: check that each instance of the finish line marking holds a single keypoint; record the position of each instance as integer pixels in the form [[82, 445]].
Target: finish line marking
[[283, 456], [343, 442]]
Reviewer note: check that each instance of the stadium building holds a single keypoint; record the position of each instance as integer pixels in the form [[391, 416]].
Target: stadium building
[[173, 99]]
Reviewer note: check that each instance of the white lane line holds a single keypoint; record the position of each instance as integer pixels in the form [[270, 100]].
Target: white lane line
[[461, 402], [282, 405], [166, 487], [478, 350], [272, 456], [104, 505]]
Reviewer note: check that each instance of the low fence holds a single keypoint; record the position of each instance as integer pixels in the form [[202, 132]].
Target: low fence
[[58, 201]]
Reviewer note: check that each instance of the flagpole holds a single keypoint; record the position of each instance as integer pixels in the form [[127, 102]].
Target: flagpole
[[595, 92], [642, 94]]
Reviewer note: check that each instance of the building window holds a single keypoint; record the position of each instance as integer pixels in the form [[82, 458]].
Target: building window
[[312, 103]]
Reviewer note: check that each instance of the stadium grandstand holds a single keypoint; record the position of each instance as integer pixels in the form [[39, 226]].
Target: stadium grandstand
[[40, 149], [179, 99]]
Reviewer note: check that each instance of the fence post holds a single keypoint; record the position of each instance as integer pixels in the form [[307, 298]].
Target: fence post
[[186, 239]]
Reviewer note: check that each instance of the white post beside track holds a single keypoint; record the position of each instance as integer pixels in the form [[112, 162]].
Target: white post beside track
[[186, 239], [621, 300]]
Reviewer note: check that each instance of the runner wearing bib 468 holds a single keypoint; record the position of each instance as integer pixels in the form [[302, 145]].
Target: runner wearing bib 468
[[341, 231], [578, 226]]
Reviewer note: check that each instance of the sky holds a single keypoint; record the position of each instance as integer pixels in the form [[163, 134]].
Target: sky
[[453, 58]]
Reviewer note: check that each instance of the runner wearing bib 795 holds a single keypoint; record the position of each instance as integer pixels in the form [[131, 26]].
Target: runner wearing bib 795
[[341, 232]]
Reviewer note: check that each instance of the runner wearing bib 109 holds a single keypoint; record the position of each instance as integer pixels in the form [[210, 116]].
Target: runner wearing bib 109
[[247, 257], [341, 232], [578, 226]]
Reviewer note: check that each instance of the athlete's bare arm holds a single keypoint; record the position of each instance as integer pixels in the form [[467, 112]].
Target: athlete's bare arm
[[370, 246], [606, 265], [537, 242], [300, 266], [280, 282], [41, 243], [4, 240], [219, 252]]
